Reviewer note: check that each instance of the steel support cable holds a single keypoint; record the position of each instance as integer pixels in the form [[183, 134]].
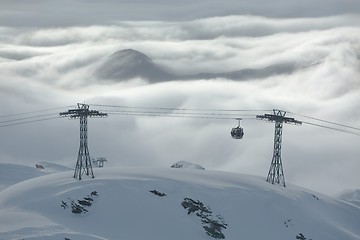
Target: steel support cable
[[37, 111], [203, 114], [179, 109], [181, 113], [326, 121], [173, 115], [332, 128], [30, 117], [26, 122]]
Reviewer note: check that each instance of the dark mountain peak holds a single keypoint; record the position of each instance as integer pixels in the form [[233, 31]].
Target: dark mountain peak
[[129, 63], [130, 55]]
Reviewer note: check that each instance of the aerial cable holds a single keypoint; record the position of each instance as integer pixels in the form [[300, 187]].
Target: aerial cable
[[37, 111], [221, 114], [179, 113], [332, 128], [26, 122], [179, 109], [326, 121], [25, 118], [169, 115], [149, 114]]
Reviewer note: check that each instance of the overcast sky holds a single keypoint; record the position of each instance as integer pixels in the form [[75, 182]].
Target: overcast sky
[[49, 51], [81, 12]]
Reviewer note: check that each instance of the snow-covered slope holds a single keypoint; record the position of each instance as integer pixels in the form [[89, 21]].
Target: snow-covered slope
[[14, 173], [49, 167], [177, 204]]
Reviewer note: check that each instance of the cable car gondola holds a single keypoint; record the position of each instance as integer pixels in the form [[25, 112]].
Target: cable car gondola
[[237, 132]]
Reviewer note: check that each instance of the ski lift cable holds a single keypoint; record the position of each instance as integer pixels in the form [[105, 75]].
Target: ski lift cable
[[25, 118], [36, 111], [27, 122], [149, 114], [233, 116], [326, 121], [332, 128], [160, 112], [179, 109], [22, 120]]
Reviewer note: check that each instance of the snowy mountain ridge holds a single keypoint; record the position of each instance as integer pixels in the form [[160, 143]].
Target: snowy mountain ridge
[[171, 203]]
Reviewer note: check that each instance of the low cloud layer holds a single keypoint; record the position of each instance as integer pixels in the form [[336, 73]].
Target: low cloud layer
[[48, 67]]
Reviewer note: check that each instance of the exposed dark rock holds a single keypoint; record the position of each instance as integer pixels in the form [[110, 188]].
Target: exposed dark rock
[[195, 206], [157, 193], [188, 165], [84, 203], [76, 208], [300, 236], [79, 206], [127, 64], [314, 196], [213, 225]]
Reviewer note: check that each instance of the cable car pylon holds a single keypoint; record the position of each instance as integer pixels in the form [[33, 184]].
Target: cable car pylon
[[83, 163], [276, 173]]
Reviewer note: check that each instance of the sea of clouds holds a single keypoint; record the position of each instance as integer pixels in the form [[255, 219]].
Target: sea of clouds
[[45, 67]]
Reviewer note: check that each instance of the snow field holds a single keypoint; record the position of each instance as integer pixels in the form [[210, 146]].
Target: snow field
[[126, 209]]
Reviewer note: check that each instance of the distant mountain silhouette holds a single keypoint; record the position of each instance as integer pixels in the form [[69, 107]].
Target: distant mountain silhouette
[[127, 64]]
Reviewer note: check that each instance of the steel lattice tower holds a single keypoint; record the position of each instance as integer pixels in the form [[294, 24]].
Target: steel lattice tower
[[276, 173], [83, 163]]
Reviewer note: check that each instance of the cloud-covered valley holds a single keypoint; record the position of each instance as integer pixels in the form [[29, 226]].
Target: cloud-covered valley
[[56, 66]]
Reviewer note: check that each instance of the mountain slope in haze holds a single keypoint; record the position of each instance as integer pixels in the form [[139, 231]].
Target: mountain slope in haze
[[352, 196], [128, 64], [177, 204]]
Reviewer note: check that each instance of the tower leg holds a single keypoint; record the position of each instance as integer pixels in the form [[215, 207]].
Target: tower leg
[[83, 163], [276, 173]]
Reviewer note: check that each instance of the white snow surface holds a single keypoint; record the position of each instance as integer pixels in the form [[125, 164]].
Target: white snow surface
[[14, 173], [53, 167], [126, 209]]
